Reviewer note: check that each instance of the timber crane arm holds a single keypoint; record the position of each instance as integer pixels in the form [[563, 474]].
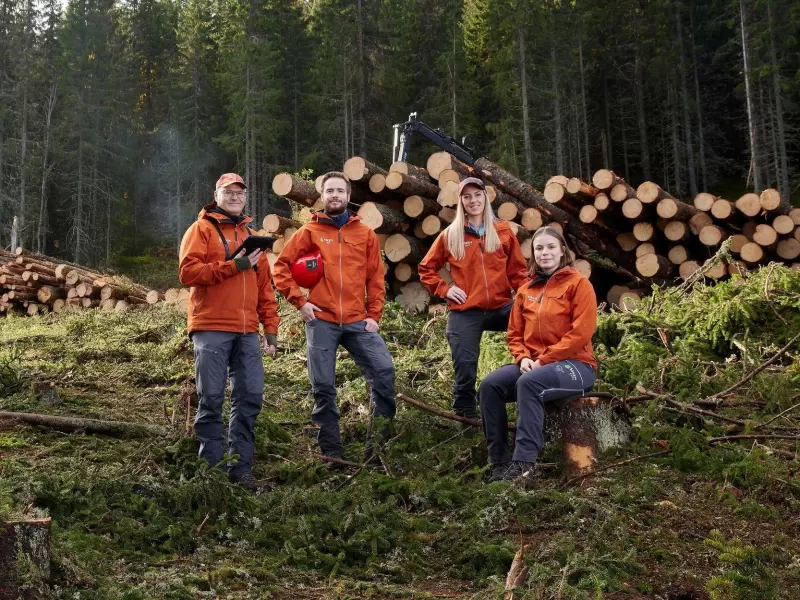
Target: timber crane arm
[[404, 131]]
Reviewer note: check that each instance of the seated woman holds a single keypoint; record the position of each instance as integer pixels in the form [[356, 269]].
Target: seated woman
[[550, 337]]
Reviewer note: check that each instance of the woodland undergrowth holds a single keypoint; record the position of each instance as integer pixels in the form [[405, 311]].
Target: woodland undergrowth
[[712, 514]]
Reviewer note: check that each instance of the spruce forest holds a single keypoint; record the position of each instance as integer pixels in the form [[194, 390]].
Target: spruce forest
[[116, 117]]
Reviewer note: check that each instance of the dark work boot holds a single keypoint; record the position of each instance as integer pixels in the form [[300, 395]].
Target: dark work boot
[[521, 473], [244, 479], [498, 470], [330, 444]]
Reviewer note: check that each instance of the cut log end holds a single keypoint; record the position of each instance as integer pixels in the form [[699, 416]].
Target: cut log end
[[652, 265], [749, 204], [414, 298]]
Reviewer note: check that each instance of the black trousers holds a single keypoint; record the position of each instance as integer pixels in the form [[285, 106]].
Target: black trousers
[[464, 331], [531, 391]]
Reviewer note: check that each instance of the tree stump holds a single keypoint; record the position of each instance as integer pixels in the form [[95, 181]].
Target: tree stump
[[24, 558], [585, 426]]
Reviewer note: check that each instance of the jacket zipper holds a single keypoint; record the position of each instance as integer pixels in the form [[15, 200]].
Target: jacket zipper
[[341, 281], [541, 305], [244, 285], [485, 278]]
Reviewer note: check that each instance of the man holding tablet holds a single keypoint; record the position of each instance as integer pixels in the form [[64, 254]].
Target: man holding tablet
[[231, 294]]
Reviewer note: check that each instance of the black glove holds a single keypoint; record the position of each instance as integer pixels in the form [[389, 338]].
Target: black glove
[[272, 339], [242, 263]]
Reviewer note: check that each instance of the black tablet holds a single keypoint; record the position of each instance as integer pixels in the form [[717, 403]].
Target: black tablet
[[255, 242]]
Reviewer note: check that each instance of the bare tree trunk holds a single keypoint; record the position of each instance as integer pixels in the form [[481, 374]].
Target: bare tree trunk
[[764, 151], [676, 155], [362, 73], [352, 104], [754, 162], [247, 121], [609, 155], [523, 87], [588, 172], [79, 205], [108, 227], [296, 124], [346, 152], [51, 104], [625, 162], [644, 149], [577, 168], [687, 124], [453, 78], [773, 129], [178, 176], [698, 108], [23, 156], [783, 178], [665, 172], [556, 105]]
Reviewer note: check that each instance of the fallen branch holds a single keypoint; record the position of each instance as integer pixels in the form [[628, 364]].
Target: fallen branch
[[445, 414], [614, 465], [115, 428], [687, 408], [765, 436], [755, 372], [776, 417]]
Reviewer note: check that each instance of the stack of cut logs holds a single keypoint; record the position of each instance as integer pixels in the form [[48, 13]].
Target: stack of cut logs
[[625, 238], [35, 284]]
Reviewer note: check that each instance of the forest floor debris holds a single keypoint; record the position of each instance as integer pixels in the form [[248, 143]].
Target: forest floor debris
[[695, 506]]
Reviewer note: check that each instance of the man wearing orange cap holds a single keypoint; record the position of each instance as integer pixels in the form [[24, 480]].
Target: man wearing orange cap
[[230, 296], [343, 308]]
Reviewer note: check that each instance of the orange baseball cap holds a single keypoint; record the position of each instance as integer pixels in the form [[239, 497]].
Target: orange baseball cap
[[229, 178]]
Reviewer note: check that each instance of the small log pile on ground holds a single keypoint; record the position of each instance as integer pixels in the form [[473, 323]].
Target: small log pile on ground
[[35, 283], [625, 238]]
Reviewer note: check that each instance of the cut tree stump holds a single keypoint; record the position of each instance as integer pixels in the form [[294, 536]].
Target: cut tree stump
[[24, 558], [589, 426]]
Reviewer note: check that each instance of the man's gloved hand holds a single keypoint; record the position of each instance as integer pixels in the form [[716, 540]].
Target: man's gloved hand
[[246, 262]]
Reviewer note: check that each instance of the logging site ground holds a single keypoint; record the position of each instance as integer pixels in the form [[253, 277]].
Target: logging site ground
[[702, 503]]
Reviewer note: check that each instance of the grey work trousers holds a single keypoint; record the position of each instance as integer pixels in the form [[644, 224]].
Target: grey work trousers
[[215, 353], [531, 391], [464, 331], [372, 357]]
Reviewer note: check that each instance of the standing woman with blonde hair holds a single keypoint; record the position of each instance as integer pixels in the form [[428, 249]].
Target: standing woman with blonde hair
[[550, 337], [486, 265]]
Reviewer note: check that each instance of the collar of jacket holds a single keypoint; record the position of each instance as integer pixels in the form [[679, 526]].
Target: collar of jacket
[[321, 217], [468, 229], [540, 277], [210, 213]]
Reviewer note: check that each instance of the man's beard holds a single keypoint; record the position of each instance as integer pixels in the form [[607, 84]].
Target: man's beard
[[335, 212]]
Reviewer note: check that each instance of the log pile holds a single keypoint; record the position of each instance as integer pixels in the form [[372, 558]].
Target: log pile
[[34, 283], [626, 237]]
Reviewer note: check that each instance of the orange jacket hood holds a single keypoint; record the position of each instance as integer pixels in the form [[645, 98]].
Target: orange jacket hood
[[554, 319], [352, 286], [221, 297], [487, 278]]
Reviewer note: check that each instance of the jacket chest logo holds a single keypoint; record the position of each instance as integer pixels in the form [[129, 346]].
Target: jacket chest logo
[[467, 244], [535, 298], [326, 240]]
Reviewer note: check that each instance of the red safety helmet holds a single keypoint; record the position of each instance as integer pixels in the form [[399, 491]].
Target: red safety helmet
[[307, 270]]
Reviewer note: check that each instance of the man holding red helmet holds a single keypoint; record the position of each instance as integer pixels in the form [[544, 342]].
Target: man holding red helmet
[[340, 258]]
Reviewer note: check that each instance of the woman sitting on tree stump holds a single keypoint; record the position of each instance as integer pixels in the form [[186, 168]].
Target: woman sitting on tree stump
[[486, 264], [550, 337]]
